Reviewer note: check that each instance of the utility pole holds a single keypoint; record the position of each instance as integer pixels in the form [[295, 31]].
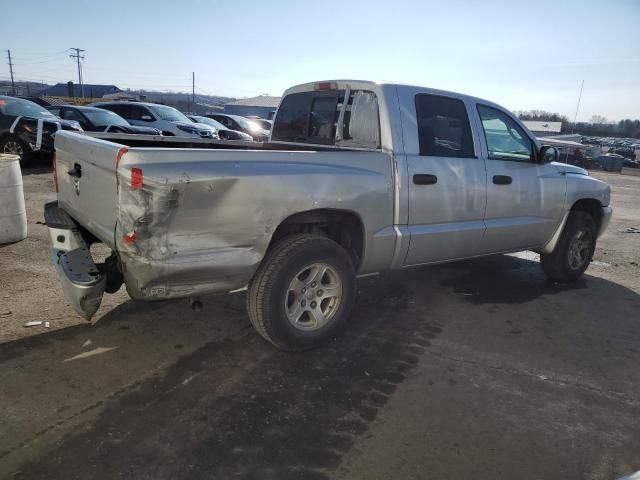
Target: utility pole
[[79, 57], [193, 90], [575, 117], [13, 85]]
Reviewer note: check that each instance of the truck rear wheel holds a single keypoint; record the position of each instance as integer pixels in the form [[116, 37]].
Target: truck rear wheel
[[303, 292], [574, 250]]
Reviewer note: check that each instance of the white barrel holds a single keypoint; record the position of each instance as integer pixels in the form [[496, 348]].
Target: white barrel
[[13, 213]]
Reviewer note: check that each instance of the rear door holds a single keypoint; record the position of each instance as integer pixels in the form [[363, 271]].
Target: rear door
[[447, 178], [525, 199]]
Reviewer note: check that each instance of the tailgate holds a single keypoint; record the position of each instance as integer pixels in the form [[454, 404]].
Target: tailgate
[[86, 173]]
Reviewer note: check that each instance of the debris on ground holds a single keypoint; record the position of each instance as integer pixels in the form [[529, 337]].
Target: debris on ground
[[86, 344], [33, 323], [5, 313], [631, 230], [90, 353]]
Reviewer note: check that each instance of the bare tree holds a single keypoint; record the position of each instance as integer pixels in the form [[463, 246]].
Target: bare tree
[[598, 119]]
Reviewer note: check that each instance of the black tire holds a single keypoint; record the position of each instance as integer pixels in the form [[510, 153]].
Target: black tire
[[269, 291], [560, 265], [9, 143]]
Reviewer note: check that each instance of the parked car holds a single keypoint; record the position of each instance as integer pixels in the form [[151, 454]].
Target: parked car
[[37, 100], [630, 163], [27, 128], [223, 132], [263, 122], [93, 119], [242, 124], [420, 176], [169, 120]]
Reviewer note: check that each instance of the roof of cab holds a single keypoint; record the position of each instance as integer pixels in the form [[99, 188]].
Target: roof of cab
[[360, 83]]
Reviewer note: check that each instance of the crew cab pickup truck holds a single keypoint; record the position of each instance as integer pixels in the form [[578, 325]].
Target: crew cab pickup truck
[[358, 177]]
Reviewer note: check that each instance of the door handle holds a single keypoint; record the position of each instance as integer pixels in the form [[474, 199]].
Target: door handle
[[424, 179], [76, 171], [502, 179]]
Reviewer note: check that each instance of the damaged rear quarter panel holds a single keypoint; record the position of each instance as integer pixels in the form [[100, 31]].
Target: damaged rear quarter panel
[[203, 219]]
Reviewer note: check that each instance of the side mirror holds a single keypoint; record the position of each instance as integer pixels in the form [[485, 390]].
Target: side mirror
[[548, 154], [146, 118]]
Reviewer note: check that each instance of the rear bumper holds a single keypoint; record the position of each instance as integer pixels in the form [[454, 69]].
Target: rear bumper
[[605, 218], [82, 283]]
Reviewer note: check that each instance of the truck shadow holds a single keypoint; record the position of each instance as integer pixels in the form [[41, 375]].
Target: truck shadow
[[504, 279], [240, 409]]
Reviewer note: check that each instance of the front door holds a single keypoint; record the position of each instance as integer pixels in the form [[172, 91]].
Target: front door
[[447, 181], [525, 198]]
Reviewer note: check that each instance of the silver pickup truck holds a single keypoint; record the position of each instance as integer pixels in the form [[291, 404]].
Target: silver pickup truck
[[358, 177]]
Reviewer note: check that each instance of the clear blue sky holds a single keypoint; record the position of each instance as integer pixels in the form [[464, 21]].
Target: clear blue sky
[[521, 54]]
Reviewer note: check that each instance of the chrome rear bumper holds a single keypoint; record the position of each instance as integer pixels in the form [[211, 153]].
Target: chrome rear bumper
[[81, 281]]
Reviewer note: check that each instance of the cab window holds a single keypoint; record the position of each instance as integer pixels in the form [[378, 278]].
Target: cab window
[[505, 139], [443, 127]]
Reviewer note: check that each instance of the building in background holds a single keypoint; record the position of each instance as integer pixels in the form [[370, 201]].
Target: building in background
[[263, 106], [543, 129], [73, 90]]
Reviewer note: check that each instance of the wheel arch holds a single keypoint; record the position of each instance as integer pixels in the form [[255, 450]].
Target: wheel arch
[[345, 227], [590, 206]]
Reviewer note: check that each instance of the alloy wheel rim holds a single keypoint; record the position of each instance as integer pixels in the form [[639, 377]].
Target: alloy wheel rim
[[580, 249], [13, 148], [313, 297]]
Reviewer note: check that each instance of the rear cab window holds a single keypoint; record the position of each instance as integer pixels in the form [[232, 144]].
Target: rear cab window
[[443, 127], [342, 118]]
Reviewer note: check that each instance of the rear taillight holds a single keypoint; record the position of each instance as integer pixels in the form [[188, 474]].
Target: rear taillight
[[55, 174], [136, 178]]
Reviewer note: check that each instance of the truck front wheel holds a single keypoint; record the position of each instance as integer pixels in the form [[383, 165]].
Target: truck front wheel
[[574, 250], [303, 292]]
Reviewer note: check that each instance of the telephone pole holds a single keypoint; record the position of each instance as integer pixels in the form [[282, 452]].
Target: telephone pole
[[193, 90], [575, 117], [79, 57], [13, 85]]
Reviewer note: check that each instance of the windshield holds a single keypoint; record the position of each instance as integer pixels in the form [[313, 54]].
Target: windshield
[[24, 108], [169, 113], [209, 121], [102, 118]]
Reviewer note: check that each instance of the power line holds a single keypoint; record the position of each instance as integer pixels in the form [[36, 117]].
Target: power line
[[42, 56], [79, 57], [13, 85]]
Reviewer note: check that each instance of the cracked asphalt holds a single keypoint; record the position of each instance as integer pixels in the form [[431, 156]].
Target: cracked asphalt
[[480, 369]]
